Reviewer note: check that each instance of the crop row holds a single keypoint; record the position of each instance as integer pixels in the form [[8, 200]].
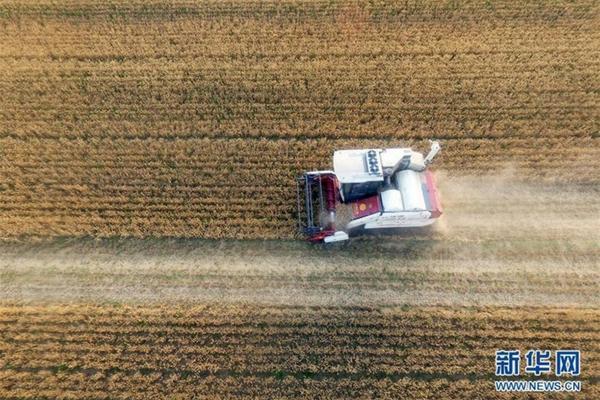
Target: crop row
[[292, 8], [295, 361], [188, 323], [195, 152], [198, 336], [276, 384], [236, 317], [172, 226], [215, 314], [206, 346]]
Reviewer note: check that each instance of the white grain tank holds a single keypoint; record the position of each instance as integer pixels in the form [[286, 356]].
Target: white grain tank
[[391, 200], [409, 184]]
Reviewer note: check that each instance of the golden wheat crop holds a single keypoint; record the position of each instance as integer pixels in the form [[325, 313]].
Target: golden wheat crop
[[193, 118], [82, 351]]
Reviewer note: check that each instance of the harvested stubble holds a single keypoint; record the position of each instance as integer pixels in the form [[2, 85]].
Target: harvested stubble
[[140, 118], [224, 352]]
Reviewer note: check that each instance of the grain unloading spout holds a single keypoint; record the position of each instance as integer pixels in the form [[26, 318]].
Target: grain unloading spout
[[435, 149]]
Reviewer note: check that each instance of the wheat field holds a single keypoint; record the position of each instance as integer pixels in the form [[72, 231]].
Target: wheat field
[[148, 156], [150, 119], [416, 318], [275, 352]]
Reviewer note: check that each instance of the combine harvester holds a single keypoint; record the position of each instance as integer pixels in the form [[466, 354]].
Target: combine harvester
[[373, 190]]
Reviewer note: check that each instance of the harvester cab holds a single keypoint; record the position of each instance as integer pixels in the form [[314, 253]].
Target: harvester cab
[[368, 189]]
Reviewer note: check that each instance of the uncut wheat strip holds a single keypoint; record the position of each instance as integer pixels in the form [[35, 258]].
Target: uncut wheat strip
[[365, 27], [443, 129], [147, 45], [256, 97], [189, 211], [343, 126], [133, 195], [253, 22], [169, 45], [290, 339], [278, 380], [257, 334], [132, 149], [330, 359], [300, 11], [214, 313], [51, 222], [133, 366], [299, 389], [143, 228], [183, 152], [560, 115], [584, 329], [170, 352], [233, 338], [140, 229], [350, 126], [299, 361], [434, 362], [223, 314], [296, 361], [237, 6], [250, 127], [468, 68], [117, 205], [178, 73], [275, 349], [210, 177], [259, 86], [290, 343], [193, 168], [347, 325], [147, 71], [98, 223], [186, 385]]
